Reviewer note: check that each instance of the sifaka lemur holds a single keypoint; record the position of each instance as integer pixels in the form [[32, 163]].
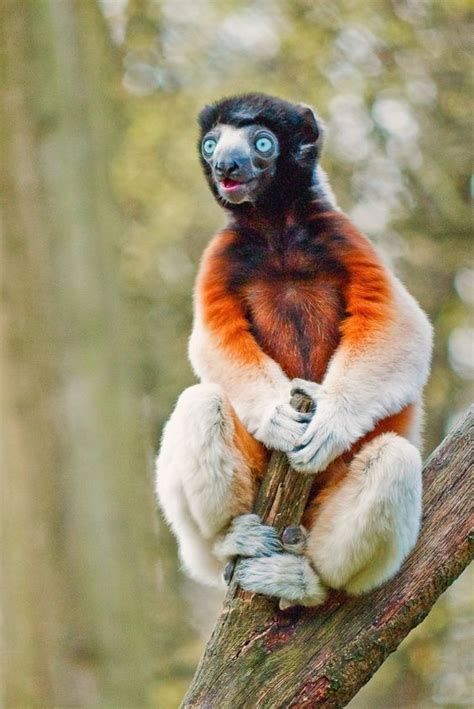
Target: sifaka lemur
[[291, 297]]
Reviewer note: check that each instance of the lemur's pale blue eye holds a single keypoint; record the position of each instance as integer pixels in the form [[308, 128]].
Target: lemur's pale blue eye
[[264, 145], [208, 146]]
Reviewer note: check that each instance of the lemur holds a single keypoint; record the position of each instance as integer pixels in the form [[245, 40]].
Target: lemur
[[291, 297]]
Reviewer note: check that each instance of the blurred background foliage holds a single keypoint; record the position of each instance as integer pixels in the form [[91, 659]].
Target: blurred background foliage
[[392, 81]]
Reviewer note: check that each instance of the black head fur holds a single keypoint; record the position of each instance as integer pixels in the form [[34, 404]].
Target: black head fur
[[299, 134]]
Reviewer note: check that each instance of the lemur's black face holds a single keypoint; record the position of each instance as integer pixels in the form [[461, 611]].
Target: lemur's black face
[[258, 149], [242, 160]]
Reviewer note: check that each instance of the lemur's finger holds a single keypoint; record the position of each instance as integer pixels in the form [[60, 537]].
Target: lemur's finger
[[291, 432], [301, 386], [290, 428], [284, 433], [302, 455], [316, 454], [305, 444], [286, 411], [314, 436]]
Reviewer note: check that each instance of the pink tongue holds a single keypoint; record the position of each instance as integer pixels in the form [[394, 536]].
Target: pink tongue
[[228, 183]]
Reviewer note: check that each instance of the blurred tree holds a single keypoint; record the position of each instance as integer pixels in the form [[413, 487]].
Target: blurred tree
[[77, 523]]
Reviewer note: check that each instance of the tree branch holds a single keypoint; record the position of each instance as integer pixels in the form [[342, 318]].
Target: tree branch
[[259, 656], [282, 495]]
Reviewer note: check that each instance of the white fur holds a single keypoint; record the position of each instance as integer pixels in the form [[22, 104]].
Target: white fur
[[232, 138], [194, 473], [323, 188], [367, 527]]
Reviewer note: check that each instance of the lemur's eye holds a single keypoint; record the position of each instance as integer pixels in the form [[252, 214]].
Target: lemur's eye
[[265, 145], [208, 146]]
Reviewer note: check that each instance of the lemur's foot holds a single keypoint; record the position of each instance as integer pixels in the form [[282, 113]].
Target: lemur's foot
[[286, 576], [247, 536]]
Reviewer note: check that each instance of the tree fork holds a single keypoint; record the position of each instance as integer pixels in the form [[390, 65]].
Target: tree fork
[[259, 656]]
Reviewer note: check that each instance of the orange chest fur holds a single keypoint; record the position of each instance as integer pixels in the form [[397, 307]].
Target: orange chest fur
[[296, 320]]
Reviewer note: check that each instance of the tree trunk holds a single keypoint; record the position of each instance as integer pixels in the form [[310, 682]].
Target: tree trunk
[[259, 656], [77, 521]]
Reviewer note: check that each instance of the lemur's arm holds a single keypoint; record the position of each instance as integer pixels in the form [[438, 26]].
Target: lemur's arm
[[380, 365], [223, 350]]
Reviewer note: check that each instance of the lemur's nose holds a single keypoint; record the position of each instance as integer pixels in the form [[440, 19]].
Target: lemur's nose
[[225, 168]]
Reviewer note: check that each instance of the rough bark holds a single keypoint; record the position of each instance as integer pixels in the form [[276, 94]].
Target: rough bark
[[77, 519], [259, 656], [282, 495]]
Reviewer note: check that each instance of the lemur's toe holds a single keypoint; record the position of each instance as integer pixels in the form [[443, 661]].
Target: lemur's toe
[[228, 571], [294, 539]]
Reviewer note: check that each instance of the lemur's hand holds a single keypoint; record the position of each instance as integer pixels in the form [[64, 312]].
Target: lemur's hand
[[282, 427], [326, 435]]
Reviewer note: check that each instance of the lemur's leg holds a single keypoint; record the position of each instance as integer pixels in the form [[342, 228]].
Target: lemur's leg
[[361, 533], [206, 475], [369, 523]]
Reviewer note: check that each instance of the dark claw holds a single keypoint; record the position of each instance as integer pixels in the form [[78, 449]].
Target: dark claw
[[228, 571]]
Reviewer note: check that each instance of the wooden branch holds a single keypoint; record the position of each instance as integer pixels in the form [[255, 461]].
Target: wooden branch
[[283, 493], [282, 496], [259, 656]]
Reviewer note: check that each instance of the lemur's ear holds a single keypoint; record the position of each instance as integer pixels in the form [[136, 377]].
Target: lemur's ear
[[207, 117], [311, 125], [310, 145]]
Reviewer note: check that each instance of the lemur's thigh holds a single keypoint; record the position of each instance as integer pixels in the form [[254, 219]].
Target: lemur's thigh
[[365, 528], [208, 464]]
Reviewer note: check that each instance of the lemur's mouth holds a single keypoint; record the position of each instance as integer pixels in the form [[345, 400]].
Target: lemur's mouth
[[236, 191], [231, 185]]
